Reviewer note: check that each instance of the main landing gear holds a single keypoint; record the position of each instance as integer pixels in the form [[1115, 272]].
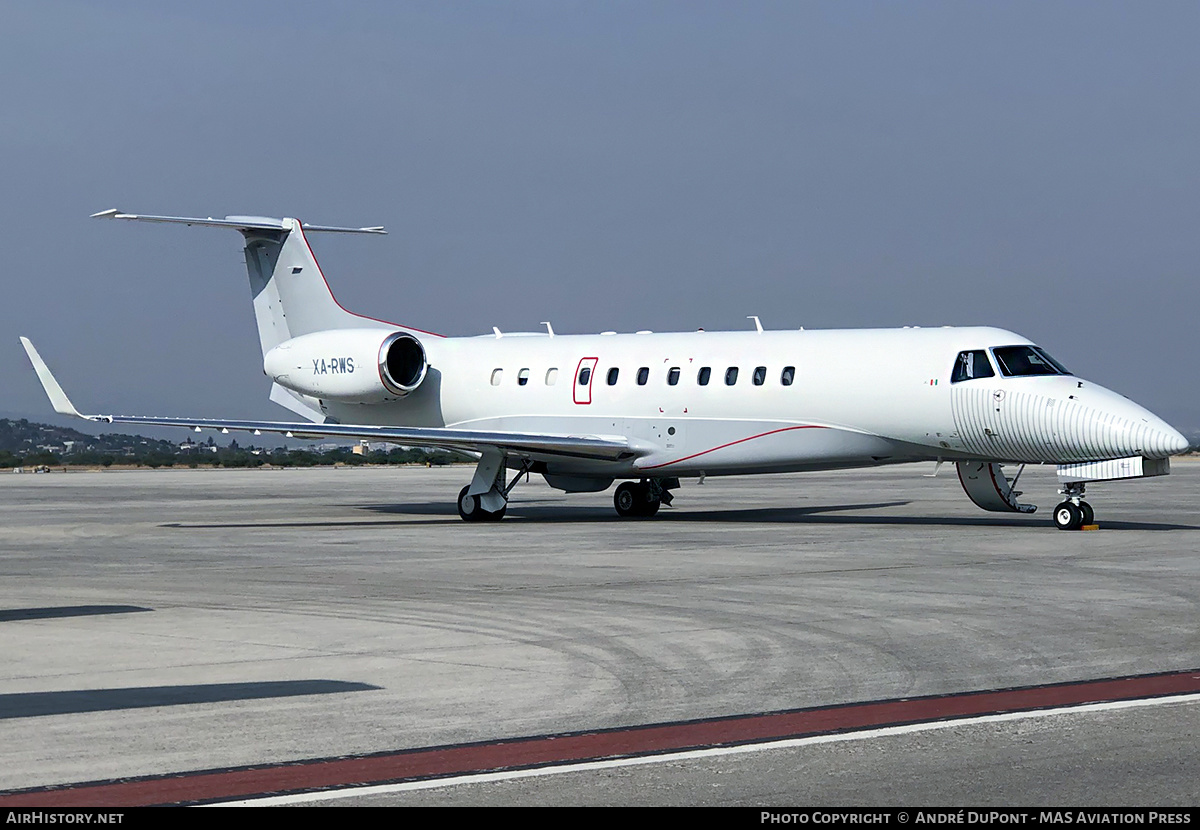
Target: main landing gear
[[470, 509], [485, 499], [1074, 512], [642, 500], [489, 502]]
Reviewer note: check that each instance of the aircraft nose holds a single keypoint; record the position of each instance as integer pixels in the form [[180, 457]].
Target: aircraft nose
[[1127, 428], [1169, 441], [1153, 437]]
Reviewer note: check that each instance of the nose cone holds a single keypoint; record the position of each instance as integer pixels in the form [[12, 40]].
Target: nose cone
[[1137, 430], [1167, 441]]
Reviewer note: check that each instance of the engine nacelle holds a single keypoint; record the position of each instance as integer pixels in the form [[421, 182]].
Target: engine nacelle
[[351, 365]]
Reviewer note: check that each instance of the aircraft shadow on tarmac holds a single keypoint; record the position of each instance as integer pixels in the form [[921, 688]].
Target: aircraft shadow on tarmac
[[56, 611], [552, 512], [39, 704]]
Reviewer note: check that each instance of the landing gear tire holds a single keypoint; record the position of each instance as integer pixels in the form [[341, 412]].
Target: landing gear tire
[[1089, 515], [1069, 516], [470, 510], [634, 501], [626, 500]]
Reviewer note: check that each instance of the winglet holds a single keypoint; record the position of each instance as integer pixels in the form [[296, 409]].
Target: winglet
[[58, 398]]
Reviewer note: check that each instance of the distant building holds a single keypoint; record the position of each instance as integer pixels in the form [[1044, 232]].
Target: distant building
[[367, 447]]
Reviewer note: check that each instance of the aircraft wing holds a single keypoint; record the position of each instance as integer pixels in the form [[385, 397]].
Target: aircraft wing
[[535, 446]]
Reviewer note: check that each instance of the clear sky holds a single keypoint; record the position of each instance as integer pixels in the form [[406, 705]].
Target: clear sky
[[603, 165]]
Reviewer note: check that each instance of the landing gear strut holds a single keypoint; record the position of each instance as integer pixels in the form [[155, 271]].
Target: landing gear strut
[[1074, 512], [489, 502], [642, 500], [470, 510]]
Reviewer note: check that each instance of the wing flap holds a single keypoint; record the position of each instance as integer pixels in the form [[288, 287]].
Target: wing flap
[[597, 447]]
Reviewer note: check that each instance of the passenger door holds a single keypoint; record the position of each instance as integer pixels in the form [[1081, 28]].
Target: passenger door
[[585, 375]]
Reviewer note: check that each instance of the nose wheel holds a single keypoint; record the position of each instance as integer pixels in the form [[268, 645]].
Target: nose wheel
[[1073, 513], [1089, 515], [1068, 517]]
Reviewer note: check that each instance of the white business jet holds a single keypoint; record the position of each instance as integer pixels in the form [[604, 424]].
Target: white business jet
[[585, 410]]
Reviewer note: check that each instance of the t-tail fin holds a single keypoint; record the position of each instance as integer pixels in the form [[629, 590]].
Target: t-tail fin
[[291, 296]]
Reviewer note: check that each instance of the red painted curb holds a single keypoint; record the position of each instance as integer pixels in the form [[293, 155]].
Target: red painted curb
[[519, 753]]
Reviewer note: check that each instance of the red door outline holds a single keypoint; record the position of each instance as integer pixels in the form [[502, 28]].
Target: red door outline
[[583, 392]]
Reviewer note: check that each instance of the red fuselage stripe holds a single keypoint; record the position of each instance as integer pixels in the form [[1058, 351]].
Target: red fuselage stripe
[[730, 444]]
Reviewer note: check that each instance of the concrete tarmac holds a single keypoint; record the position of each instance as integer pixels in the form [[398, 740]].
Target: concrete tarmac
[[170, 621]]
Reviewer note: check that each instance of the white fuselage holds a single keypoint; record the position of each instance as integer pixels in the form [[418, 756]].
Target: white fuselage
[[583, 410], [857, 397]]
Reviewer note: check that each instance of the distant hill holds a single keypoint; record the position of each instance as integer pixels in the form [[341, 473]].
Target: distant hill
[[25, 437]]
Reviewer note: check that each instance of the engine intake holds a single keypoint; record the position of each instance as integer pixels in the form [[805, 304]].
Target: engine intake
[[402, 363]]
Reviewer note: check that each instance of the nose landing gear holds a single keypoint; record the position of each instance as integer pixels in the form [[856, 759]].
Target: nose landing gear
[[1073, 513]]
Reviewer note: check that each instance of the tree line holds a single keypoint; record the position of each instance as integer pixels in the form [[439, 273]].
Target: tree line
[[27, 444]]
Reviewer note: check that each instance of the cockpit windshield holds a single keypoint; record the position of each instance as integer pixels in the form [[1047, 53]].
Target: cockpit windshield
[[1022, 361]]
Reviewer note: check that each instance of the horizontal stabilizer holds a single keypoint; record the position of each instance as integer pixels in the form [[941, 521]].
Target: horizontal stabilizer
[[241, 223]]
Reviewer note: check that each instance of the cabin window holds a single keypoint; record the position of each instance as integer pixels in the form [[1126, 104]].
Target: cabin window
[[731, 375], [585, 375], [496, 375], [522, 377], [643, 375], [673, 376], [551, 377], [787, 376], [703, 375], [612, 376], [760, 375], [971, 365]]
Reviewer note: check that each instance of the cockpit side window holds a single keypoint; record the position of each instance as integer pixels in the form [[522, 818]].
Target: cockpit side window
[[971, 365], [1023, 361]]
